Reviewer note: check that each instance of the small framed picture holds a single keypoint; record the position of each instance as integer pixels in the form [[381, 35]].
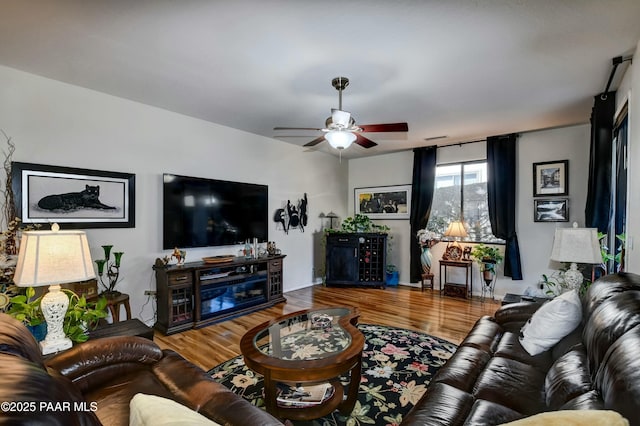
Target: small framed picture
[[551, 178], [551, 210]]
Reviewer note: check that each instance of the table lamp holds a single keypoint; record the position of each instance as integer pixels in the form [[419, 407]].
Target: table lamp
[[456, 229], [52, 258], [576, 245]]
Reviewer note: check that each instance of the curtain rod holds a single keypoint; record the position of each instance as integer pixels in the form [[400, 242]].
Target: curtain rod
[[615, 62], [460, 143]]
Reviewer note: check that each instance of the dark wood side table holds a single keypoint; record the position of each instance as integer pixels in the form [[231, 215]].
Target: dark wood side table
[[464, 290], [517, 298], [131, 327], [114, 302]]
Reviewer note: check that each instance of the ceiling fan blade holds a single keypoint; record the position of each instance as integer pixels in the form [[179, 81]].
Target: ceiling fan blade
[[296, 128], [389, 127], [364, 142], [314, 142]]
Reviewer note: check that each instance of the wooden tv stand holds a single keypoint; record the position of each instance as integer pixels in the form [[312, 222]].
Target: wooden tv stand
[[197, 294]]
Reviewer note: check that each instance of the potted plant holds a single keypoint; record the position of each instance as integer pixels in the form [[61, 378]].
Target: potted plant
[[393, 276], [488, 258], [360, 223], [26, 308], [82, 316]]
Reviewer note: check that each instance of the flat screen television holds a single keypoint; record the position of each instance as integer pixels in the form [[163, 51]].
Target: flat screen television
[[200, 212]]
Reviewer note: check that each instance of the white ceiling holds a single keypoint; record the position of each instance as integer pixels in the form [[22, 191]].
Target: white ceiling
[[466, 69]]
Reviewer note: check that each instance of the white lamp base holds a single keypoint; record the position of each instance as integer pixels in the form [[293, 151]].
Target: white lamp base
[[54, 306], [573, 278]]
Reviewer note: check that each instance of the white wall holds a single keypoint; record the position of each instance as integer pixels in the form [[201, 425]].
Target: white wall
[[55, 123], [535, 238]]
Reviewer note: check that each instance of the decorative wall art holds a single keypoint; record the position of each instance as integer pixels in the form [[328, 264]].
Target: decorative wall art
[[383, 202], [551, 210], [551, 178], [74, 198], [293, 215]]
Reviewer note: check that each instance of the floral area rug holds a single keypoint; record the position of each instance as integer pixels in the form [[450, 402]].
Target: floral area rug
[[397, 366]]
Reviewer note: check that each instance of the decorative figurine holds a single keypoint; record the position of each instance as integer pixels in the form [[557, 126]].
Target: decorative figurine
[[179, 255]]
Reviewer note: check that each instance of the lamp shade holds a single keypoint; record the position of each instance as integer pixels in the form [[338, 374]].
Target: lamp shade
[[577, 245], [456, 229], [53, 257], [340, 139]]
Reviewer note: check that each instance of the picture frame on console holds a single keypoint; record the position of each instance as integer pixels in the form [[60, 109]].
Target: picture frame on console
[[75, 198], [383, 202], [551, 210], [551, 178]]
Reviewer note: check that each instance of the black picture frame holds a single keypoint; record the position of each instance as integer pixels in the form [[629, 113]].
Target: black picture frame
[[551, 210], [551, 178], [46, 194], [383, 202]]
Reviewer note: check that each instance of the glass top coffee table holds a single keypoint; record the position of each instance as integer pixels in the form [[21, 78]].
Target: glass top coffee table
[[301, 356]]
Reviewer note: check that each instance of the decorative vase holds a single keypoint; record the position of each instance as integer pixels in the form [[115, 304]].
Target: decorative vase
[[426, 258], [39, 331]]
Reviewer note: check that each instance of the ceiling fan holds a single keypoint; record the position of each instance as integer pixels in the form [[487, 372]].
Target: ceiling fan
[[341, 130]]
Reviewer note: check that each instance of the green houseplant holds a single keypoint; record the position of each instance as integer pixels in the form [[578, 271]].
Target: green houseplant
[[488, 258], [81, 315], [26, 309], [360, 223]]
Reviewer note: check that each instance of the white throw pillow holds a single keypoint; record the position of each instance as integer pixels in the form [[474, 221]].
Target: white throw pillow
[[573, 418], [151, 410], [551, 322]]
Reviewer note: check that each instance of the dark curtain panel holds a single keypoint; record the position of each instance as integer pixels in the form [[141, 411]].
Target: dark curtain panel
[[422, 187], [597, 211], [501, 194]]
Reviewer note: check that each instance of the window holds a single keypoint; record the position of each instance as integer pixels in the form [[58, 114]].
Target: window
[[462, 187]]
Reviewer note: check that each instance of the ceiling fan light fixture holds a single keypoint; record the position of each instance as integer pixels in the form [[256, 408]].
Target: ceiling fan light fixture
[[339, 139], [341, 119]]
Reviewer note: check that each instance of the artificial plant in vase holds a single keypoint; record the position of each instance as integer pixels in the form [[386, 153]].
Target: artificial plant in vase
[[426, 240], [112, 270]]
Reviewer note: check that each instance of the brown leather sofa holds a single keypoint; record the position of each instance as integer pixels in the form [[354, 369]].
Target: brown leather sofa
[[491, 379], [93, 383]]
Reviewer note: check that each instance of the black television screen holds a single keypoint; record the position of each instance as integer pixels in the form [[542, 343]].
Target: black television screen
[[201, 212]]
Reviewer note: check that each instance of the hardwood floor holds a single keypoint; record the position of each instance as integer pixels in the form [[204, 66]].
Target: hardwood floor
[[428, 312]]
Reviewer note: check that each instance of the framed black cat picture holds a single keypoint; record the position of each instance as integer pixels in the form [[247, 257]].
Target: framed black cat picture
[[74, 198]]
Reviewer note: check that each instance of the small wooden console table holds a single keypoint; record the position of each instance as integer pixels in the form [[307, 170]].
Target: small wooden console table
[[463, 290]]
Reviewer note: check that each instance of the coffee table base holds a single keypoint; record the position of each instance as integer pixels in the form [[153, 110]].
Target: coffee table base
[[340, 401], [276, 368]]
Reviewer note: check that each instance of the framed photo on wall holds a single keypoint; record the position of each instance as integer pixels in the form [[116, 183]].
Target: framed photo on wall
[[551, 178], [74, 198], [383, 202], [551, 210]]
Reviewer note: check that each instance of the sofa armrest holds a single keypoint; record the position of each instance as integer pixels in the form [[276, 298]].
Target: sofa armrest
[[194, 388], [516, 312], [88, 365]]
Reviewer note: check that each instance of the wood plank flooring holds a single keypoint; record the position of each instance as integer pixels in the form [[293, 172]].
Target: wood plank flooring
[[428, 312]]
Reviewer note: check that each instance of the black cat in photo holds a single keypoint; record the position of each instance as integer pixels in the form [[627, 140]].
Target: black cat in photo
[[88, 198]]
